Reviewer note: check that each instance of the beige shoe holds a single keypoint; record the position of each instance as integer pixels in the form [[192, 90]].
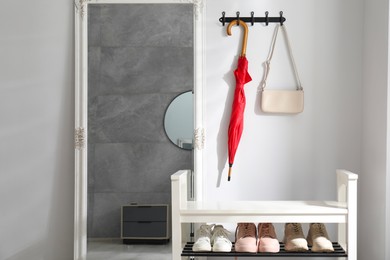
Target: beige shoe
[[294, 240], [246, 239], [268, 243], [318, 238]]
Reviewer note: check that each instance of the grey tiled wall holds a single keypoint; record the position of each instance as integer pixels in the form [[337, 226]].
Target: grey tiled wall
[[140, 56]]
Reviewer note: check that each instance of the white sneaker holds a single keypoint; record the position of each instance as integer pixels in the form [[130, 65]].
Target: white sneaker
[[203, 235], [220, 239], [318, 238], [294, 239]]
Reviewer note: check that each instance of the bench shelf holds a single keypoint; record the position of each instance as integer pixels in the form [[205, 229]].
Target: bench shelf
[[338, 252]]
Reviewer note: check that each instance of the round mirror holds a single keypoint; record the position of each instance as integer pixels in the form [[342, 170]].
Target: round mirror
[[179, 120]]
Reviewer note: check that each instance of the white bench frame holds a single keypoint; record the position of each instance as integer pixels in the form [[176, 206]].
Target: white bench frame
[[343, 211]]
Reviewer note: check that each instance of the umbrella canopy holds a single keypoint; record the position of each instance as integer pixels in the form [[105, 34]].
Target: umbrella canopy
[[236, 124]]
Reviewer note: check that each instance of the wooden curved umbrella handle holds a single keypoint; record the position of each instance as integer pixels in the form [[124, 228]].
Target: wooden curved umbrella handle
[[245, 39]]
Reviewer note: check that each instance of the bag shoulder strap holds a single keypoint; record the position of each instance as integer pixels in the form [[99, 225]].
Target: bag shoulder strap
[[268, 61]]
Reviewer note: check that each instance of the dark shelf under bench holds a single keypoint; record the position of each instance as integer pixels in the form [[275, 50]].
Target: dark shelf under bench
[[338, 252]]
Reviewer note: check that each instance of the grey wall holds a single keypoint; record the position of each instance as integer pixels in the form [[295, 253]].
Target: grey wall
[[140, 58]]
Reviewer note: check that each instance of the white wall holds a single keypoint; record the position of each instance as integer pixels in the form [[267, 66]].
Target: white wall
[[286, 157], [36, 130], [344, 124], [374, 173]]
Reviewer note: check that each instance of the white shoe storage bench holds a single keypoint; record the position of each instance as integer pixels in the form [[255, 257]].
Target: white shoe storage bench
[[343, 211]]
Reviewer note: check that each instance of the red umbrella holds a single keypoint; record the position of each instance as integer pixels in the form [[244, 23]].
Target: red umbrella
[[236, 124]]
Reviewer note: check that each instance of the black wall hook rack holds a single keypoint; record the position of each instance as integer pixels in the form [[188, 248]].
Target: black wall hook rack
[[252, 19]]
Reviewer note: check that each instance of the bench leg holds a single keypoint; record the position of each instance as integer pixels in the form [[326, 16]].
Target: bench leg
[[176, 239]]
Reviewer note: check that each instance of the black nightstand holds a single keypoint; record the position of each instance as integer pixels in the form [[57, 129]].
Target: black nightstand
[[143, 223]]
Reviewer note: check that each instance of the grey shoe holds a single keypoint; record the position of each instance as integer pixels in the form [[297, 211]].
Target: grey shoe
[[318, 238], [294, 240]]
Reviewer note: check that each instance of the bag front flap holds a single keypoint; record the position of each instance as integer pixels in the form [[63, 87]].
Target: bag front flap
[[282, 101]]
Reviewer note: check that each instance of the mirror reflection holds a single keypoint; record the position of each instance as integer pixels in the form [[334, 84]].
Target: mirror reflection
[[140, 57], [179, 120]]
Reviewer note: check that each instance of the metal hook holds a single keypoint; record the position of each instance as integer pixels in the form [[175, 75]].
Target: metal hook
[[223, 18], [252, 18], [266, 18], [238, 18], [281, 18]]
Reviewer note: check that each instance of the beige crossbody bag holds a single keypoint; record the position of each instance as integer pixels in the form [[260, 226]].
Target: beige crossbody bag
[[281, 101]]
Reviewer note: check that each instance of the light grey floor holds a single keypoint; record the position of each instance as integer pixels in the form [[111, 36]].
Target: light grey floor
[[114, 249]]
